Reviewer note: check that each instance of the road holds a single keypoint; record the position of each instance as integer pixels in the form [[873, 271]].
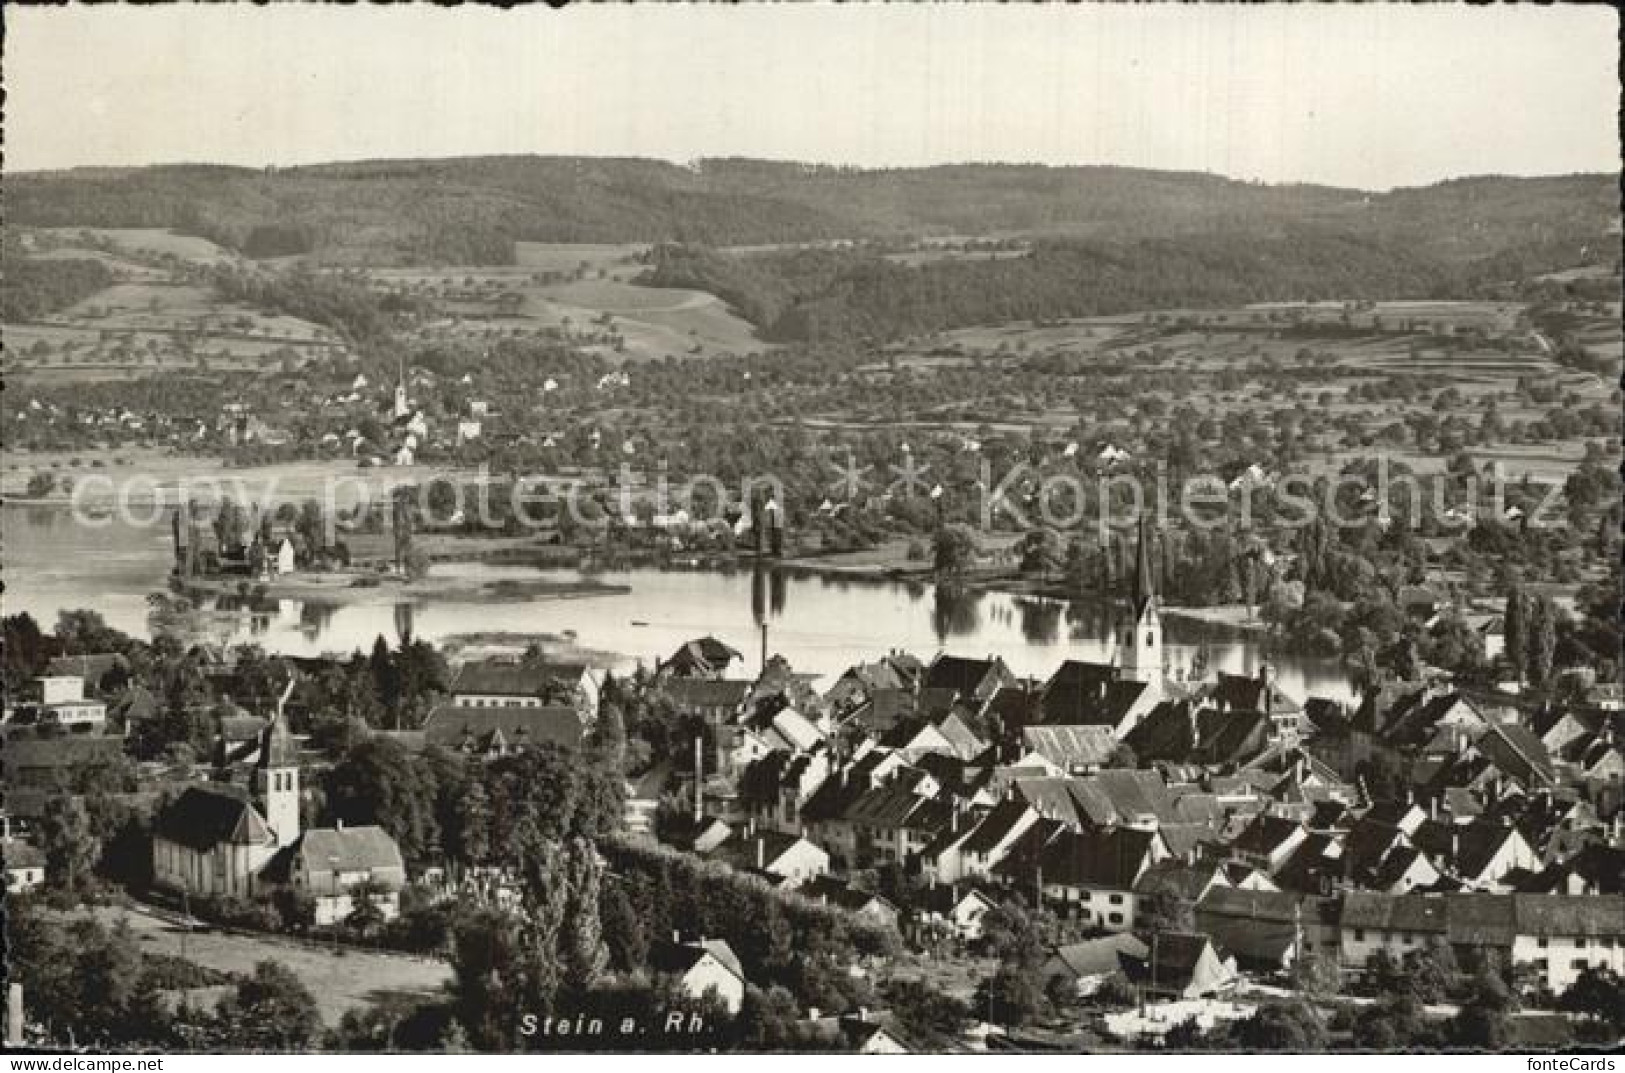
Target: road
[[340, 981]]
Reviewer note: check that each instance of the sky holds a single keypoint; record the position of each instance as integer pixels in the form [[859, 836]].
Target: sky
[[1369, 96]]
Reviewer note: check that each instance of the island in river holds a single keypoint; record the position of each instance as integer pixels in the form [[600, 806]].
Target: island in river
[[350, 587]]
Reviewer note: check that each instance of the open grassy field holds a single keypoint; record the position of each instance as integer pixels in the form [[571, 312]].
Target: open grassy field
[[341, 980], [150, 241]]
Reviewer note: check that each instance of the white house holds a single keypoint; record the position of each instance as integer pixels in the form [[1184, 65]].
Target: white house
[[701, 966]]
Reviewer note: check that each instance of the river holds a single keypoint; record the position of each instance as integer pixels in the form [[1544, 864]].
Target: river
[[821, 624]]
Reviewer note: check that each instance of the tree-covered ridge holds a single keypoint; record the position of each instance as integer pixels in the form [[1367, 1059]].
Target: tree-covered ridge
[[472, 210], [817, 294]]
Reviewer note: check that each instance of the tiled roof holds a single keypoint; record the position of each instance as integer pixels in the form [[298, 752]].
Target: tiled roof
[[965, 741], [1098, 957], [491, 678], [351, 849], [1067, 747], [454, 726], [706, 692]]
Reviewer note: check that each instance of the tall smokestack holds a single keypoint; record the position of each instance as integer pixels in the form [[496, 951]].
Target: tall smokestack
[[699, 776]]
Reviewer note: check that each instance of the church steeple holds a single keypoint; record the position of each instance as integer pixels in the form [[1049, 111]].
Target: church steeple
[[276, 776], [402, 409], [1141, 646], [1144, 579]]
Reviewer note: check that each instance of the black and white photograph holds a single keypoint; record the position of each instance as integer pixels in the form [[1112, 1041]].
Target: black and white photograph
[[810, 528]]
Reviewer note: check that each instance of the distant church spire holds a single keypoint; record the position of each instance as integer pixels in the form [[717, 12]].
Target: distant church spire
[[1144, 579], [401, 407], [1141, 641]]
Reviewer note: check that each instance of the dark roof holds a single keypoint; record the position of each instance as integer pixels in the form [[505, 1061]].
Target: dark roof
[[1465, 849], [1188, 881], [963, 676], [1097, 957], [1266, 834], [703, 655], [1249, 693], [706, 692], [897, 807], [1110, 858], [1329, 717], [454, 726], [1515, 750], [995, 826], [827, 888], [1165, 733], [1231, 737], [1488, 919], [204, 817], [1176, 955], [495, 678], [740, 848], [1081, 692], [1022, 856], [1413, 718], [881, 674], [678, 958]]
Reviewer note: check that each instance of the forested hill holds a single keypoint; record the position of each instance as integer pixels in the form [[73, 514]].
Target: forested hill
[[472, 210], [855, 295]]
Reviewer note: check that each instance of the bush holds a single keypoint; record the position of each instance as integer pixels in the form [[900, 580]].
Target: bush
[[166, 972]]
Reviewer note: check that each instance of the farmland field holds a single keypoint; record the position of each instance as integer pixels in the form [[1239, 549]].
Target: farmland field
[[578, 291], [151, 241]]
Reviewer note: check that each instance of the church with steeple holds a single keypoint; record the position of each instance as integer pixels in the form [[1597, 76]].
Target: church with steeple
[[223, 839]]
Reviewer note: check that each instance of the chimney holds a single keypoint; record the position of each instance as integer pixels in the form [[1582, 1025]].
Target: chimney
[[761, 854], [338, 825], [863, 1014]]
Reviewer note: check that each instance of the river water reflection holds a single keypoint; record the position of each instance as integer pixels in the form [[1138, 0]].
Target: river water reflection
[[820, 624]]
